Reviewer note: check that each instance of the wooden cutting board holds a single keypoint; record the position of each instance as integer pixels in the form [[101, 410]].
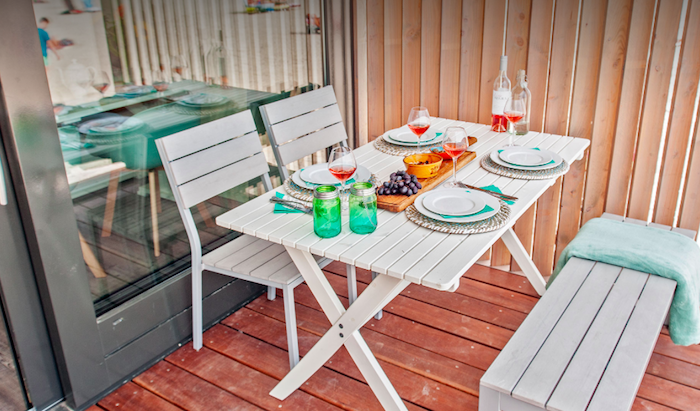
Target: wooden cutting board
[[398, 203]]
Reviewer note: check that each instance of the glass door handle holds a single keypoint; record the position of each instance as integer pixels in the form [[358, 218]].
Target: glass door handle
[[3, 187]]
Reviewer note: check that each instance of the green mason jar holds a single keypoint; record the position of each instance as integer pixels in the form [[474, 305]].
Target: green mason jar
[[327, 221], [363, 208]]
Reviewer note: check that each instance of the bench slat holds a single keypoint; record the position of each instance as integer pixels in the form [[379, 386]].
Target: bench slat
[[543, 374], [618, 386], [581, 377], [515, 357]]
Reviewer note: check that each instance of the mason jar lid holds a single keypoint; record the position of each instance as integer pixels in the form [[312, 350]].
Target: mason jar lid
[[363, 189], [326, 192]]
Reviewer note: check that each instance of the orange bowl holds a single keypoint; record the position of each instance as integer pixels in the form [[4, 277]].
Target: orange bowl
[[415, 164]]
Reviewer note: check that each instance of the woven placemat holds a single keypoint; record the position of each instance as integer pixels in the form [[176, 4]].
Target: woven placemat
[[307, 195], [490, 165], [396, 150], [490, 224], [201, 111]]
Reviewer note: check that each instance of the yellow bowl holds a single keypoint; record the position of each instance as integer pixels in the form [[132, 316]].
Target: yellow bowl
[[423, 170]]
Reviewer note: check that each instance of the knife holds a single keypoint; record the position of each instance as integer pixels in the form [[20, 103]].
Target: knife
[[292, 204], [493, 193]]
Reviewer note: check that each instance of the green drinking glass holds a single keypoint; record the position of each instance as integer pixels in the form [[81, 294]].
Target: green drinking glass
[[363, 208], [327, 222]]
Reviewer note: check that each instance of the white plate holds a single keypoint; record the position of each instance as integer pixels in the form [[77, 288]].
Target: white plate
[[490, 200], [320, 172], [405, 137], [523, 156], [556, 157], [202, 100], [453, 202], [112, 124]]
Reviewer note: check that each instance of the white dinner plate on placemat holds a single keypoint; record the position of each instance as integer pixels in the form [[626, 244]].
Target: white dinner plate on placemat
[[202, 100], [524, 156], [111, 124], [403, 136], [318, 174], [495, 157], [488, 199], [454, 202]]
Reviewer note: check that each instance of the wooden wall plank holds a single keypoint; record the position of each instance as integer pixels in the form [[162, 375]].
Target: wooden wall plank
[[539, 49], [430, 55], [492, 49], [617, 27], [590, 47], [657, 89], [517, 35], [410, 54], [470, 61], [392, 64], [690, 212], [361, 48], [375, 67], [681, 120], [633, 81], [450, 58], [556, 122]]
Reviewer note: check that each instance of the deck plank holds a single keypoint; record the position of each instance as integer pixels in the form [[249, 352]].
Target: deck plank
[[659, 390], [130, 397]]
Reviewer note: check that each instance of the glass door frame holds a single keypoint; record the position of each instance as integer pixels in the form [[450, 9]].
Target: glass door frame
[[93, 354]]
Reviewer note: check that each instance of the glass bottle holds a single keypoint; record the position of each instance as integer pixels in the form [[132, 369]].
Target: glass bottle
[[501, 94], [363, 208], [523, 126], [326, 204], [217, 63]]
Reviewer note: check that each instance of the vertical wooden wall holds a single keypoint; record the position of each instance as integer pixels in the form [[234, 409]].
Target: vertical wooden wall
[[622, 73]]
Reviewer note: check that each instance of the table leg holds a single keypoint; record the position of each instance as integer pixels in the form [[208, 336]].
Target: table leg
[[154, 211], [351, 274], [112, 190], [523, 259], [344, 331], [379, 314]]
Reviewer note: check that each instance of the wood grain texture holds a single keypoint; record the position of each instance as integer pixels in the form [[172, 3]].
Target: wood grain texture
[[590, 45], [450, 55], [361, 68], [375, 68], [681, 120], [556, 122], [470, 61], [398, 203], [392, 64], [492, 49], [430, 55], [410, 55], [607, 105], [690, 212], [651, 130], [517, 36], [539, 50], [633, 82], [132, 397], [675, 395]]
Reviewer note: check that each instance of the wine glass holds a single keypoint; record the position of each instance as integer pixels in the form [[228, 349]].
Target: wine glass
[[159, 82], [100, 82], [179, 67], [419, 122], [514, 111], [342, 164], [455, 143]]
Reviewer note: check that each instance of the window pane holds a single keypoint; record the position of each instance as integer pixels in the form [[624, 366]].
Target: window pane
[[124, 73]]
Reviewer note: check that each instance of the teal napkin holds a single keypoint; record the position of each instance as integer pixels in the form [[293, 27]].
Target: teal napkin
[[497, 190], [649, 250], [486, 209], [535, 148], [282, 209]]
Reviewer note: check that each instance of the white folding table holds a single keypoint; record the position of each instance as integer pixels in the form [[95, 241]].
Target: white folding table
[[399, 250]]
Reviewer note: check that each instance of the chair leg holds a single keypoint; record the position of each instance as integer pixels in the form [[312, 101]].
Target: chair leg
[[154, 210], [290, 320], [90, 259], [112, 189], [379, 313], [271, 293], [156, 176], [352, 282], [197, 309]]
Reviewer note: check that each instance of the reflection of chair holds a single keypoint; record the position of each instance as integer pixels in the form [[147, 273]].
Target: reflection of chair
[[203, 162], [300, 126]]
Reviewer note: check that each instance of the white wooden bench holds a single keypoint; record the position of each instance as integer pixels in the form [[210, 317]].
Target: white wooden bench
[[587, 342]]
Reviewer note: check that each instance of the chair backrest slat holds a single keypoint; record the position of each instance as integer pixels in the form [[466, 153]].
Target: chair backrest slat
[[311, 143], [303, 103], [308, 123], [207, 160]]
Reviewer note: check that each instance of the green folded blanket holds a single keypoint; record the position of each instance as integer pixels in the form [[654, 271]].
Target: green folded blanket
[[649, 250]]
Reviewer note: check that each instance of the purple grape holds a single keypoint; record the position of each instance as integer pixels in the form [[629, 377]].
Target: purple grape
[[419, 185], [394, 191], [415, 190], [387, 184], [404, 190], [401, 184]]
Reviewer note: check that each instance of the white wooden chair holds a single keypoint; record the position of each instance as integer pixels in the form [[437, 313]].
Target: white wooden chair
[[203, 162], [302, 125]]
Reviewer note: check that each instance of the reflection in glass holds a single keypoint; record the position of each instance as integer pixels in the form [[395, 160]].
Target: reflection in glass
[[168, 76]]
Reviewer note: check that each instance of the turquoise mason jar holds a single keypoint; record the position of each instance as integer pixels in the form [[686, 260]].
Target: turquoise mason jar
[[363, 208], [327, 222]]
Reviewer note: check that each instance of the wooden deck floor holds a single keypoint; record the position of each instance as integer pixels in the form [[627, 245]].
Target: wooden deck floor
[[434, 347]]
